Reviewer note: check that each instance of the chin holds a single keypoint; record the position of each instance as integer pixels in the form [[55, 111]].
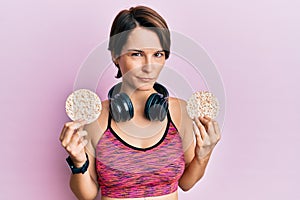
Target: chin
[[141, 85], [145, 87]]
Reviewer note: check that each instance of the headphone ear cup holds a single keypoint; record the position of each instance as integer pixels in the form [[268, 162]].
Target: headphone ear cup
[[115, 108], [128, 107], [121, 107], [164, 106], [156, 107], [150, 108]]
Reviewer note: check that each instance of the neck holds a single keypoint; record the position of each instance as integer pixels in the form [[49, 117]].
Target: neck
[[138, 97]]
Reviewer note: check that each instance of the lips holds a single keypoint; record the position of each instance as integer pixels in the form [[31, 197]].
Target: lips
[[145, 79]]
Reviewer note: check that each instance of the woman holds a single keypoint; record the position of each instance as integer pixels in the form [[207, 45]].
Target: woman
[[145, 145]]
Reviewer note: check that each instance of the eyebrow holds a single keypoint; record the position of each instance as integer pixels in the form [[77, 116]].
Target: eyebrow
[[140, 51]]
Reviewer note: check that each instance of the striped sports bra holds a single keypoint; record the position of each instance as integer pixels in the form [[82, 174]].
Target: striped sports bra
[[125, 171]]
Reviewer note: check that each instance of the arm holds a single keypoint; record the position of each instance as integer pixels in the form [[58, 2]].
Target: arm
[[193, 172], [79, 142], [84, 186], [72, 139], [207, 134]]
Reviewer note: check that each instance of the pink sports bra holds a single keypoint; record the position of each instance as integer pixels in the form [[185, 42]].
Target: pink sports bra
[[125, 171]]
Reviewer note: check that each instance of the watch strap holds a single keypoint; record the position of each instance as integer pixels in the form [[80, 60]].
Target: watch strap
[[79, 170]]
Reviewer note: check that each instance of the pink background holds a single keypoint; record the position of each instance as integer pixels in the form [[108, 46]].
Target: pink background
[[255, 46]]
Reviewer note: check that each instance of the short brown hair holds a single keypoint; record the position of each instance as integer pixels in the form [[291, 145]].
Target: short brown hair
[[127, 20]]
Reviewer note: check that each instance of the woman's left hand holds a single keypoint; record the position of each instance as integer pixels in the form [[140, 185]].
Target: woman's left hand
[[207, 135]]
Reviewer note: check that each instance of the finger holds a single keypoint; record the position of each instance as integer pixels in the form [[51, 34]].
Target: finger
[[77, 138], [196, 130], [69, 132], [71, 128], [82, 144], [207, 117], [217, 129], [201, 128], [199, 140], [71, 146], [62, 134], [78, 148], [83, 123], [77, 124], [207, 122], [82, 134], [67, 137]]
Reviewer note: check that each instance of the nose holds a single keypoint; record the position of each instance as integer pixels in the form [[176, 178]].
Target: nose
[[148, 64]]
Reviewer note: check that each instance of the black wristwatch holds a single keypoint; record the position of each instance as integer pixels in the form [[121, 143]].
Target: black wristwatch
[[76, 170]]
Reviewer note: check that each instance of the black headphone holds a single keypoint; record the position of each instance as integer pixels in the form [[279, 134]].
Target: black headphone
[[121, 108]]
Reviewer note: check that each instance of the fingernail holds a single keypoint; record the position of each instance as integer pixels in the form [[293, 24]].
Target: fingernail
[[194, 123], [84, 142], [82, 133], [82, 121]]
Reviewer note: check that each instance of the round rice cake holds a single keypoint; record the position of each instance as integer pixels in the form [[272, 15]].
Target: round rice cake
[[202, 103], [83, 104]]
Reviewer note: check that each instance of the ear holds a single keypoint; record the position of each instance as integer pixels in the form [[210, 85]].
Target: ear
[[114, 58]]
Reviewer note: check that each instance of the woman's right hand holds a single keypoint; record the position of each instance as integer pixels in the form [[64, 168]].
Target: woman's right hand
[[72, 139]]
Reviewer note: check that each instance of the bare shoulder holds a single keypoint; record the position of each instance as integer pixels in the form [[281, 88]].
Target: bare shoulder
[[177, 108], [103, 118], [184, 125], [177, 104]]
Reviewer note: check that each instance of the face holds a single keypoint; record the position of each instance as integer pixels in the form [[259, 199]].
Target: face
[[142, 58]]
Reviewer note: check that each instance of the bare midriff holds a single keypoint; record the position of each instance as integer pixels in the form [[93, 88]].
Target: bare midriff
[[172, 196]]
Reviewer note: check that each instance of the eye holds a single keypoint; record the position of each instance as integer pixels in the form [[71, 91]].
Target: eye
[[136, 54], [158, 54]]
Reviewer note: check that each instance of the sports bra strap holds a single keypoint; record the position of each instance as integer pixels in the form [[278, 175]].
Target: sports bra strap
[[109, 121]]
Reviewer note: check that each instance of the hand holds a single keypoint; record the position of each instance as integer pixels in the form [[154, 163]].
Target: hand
[[72, 139], [207, 135]]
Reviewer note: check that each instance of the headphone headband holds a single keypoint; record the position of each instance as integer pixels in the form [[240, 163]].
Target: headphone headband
[[161, 89]]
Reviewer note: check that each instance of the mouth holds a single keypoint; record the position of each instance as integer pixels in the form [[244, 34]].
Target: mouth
[[146, 79]]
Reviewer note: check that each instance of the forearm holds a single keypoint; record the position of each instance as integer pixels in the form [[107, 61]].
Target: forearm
[[83, 186], [193, 173]]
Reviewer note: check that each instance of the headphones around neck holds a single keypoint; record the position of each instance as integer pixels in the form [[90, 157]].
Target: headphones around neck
[[121, 108]]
